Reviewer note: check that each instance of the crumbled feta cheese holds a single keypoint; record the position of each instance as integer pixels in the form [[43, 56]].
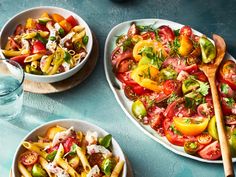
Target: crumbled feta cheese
[[94, 171], [91, 137], [25, 44], [59, 172], [61, 136], [98, 149], [51, 44]]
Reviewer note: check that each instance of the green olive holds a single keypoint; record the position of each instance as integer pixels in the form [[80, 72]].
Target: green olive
[[138, 109], [212, 129], [208, 50]]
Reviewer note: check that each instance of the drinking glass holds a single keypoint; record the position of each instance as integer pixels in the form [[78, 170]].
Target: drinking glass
[[11, 89]]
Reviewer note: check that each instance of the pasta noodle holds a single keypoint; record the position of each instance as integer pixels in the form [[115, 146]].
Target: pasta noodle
[[78, 36], [71, 52], [83, 159], [33, 57], [23, 170], [34, 148], [116, 171]]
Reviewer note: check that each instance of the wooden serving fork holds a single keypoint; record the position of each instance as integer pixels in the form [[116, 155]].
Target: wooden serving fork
[[210, 71]]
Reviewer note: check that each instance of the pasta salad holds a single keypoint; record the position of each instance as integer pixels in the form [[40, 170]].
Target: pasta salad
[[66, 153], [47, 45]]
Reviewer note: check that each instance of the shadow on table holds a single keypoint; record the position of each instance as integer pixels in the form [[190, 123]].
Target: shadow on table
[[31, 118]]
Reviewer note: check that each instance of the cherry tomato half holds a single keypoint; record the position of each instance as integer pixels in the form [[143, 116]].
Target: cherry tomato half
[[186, 31], [191, 147], [133, 30], [211, 151], [205, 110], [204, 138], [166, 33], [171, 86], [29, 158], [129, 93], [200, 76], [72, 21], [227, 73], [38, 47], [226, 91]]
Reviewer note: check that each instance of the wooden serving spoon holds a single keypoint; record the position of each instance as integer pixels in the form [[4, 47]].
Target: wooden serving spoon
[[210, 71]]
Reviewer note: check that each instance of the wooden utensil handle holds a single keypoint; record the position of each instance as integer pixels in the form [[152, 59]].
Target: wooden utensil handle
[[225, 150]]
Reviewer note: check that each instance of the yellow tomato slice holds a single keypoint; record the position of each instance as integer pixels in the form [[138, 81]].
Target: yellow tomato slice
[[191, 126], [147, 77], [157, 48], [186, 46]]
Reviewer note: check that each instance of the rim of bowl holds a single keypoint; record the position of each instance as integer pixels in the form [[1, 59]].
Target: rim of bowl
[[59, 8], [61, 121], [20, 68]]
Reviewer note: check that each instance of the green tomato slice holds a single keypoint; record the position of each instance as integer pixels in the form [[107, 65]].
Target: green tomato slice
[[212, 129], [138, 109], [208, 50]]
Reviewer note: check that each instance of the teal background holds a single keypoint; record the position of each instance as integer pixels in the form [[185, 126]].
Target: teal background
[[93, 100]]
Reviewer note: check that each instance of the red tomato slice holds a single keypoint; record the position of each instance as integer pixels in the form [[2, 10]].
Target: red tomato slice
[[200, 76], [211, 151], [118, 58], [173, 136], [125, 66], [38, 47], [190, 69], [169, 112], [226, 91], [68, 143], [20, 59], [166, 33], [72, 21], [156, 120], [205, 110], [29, 158], [226, 107], [186, 31], [148, 35], [171, 86], [41, 27]]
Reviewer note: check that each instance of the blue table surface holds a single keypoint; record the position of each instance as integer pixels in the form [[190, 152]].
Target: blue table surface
[[94, 101]]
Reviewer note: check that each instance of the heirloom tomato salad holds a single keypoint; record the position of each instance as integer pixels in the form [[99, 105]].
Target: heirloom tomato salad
[[159, 71], [47, 45], [68, 153]]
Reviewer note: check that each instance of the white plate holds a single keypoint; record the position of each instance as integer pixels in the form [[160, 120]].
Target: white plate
[[67, 123], [125, 103]]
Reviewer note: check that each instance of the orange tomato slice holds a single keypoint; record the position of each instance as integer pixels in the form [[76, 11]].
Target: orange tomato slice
[[191, 126], [57, 18]]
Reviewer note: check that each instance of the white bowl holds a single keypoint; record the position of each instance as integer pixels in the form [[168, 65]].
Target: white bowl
[[67, 123], [20, 18]]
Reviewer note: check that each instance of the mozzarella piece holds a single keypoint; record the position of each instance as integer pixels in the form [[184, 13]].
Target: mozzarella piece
[[59, 172], [61, 136], [57, 26], [51, 45], [91, 137], [66, 38], [93, 172], [98, 149]]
